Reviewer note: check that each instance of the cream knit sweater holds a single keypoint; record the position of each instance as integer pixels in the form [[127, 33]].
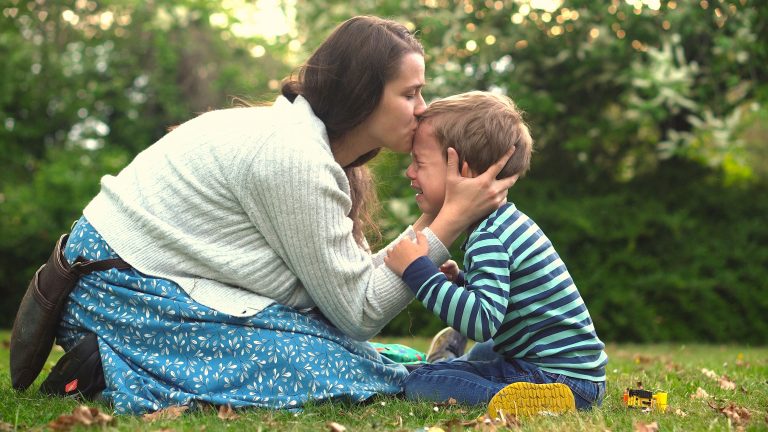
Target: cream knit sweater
[[245, 207]]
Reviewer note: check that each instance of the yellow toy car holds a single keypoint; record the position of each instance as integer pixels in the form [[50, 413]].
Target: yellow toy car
[[645, 399]]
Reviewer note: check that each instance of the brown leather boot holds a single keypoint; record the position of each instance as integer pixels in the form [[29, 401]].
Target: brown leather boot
[[38, 317], [78, 373], [34, 328]]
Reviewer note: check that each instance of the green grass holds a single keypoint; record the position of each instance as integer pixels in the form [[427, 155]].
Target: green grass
[[676, 369]]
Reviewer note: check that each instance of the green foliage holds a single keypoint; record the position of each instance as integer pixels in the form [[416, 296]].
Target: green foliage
[[687, 264], [650, 127], [85, 86]]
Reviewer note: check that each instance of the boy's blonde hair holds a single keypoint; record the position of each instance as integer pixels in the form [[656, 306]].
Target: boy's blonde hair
[[482, 127]]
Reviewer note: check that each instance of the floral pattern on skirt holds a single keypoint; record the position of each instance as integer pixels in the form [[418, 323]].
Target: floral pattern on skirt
[[160, 348]]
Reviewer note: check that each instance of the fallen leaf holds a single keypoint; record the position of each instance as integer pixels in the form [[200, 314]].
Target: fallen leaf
[[680, 413], [739, 416], [646, 427], [700, 394], [435, 429], [487, 424], [709, 373], [6, 427], [227, 413], [81, 415], [6, 344], [740, 361], [169, 413], [641, 359], [726, 383], [336, 427], [454, 424], [449, 402]]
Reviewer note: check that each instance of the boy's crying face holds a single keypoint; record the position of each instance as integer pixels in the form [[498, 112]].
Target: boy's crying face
[[427, 170]]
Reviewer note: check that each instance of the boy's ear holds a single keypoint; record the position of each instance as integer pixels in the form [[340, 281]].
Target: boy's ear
[[466, 171]]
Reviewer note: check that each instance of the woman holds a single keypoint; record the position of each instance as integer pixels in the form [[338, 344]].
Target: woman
[[251, 283]]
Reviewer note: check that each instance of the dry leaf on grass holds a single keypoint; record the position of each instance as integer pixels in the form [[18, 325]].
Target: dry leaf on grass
[[169, 413], [449, 402], [700, 394], [739, 416], [336, 427], [82, 415], [740, 361], [680, 413], [641, 359], [227, 413], [646, 427], [6, 427], [487, 424], [726, 383]]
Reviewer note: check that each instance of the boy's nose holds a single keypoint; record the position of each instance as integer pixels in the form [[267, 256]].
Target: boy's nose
[[409, 172]]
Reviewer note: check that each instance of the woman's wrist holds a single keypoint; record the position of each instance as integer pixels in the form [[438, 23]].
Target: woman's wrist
[[446, 227], [423, 221]]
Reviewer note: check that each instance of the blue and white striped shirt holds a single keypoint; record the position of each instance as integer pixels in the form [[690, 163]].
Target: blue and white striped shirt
[[518, 292]]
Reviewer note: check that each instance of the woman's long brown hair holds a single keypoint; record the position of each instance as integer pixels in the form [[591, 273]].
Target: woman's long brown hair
[[343, 81]]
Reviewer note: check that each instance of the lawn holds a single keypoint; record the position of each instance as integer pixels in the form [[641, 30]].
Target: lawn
[[716, 388]]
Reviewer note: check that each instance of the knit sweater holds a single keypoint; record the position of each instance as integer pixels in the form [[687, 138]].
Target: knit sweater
[[518, 292], [244, 207]]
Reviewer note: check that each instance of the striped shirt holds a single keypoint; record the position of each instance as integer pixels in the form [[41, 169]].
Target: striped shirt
[[518, 292]]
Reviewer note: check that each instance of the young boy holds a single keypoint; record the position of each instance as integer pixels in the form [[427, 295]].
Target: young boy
[[540, 350]]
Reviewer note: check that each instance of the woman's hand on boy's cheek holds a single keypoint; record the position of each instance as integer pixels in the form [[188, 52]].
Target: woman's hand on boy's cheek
[[406, 251]]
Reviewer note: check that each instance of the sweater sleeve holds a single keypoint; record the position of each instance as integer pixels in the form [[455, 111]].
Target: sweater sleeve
[[304, 198], [476, 309]]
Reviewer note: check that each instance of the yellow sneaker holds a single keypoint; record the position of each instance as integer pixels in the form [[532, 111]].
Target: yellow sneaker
[[527, 399]]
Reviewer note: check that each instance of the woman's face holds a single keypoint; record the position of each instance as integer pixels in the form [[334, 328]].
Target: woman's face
[[393, 123]]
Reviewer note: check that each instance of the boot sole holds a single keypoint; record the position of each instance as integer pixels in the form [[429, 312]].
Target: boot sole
[[528, 399], [438, 342]]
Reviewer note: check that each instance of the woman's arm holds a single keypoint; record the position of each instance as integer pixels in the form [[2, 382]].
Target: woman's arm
[[300, 202], [476, 309]]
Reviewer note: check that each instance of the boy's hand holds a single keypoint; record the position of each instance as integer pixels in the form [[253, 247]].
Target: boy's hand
[[451, 270], [401, 255]]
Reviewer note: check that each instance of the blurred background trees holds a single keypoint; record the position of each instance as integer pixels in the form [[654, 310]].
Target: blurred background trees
[[649, 116]]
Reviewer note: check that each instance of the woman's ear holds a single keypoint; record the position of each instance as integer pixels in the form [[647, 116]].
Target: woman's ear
[[466, 171]]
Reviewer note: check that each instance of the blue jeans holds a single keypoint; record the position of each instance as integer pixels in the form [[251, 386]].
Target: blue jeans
[[476, 377]]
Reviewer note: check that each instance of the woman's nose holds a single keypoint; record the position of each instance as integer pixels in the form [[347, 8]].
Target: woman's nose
[[420, 107]]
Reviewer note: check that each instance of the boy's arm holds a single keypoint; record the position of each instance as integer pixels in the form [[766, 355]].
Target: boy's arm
[[476, 309]]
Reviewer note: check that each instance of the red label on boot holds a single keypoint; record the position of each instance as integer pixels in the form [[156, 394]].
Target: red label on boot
[[71, 386]]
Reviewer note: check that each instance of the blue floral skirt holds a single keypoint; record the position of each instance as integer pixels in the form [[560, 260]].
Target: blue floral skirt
[[160, 348]]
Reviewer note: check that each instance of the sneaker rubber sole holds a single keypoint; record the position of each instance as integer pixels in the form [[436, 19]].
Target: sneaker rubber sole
[[447, 344], [528, 399]]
